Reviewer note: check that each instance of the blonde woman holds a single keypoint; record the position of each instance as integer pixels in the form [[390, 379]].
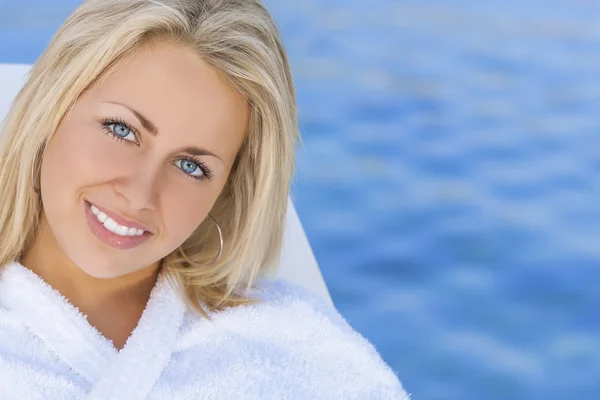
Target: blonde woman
[[146, 165]]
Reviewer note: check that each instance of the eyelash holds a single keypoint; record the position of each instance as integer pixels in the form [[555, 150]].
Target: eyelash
[[107, 122], [207, 173]]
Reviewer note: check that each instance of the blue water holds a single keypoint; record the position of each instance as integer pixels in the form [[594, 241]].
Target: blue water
[[448, 182]]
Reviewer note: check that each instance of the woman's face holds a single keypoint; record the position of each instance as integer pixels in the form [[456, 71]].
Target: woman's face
[[151, 146]]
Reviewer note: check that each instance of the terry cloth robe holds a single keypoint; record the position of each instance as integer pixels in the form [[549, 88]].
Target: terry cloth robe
[[291, 346]]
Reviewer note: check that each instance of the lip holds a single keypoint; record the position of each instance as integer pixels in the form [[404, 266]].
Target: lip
[[121, 220], [112, 239]]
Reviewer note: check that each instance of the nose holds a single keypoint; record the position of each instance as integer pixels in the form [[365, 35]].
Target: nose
[[139, 188]]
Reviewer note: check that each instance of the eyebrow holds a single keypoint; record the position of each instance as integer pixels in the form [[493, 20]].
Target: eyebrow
[[146, 123], [150, 127]]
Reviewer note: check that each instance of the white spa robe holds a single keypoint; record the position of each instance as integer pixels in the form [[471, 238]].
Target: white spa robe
[[291, 346]]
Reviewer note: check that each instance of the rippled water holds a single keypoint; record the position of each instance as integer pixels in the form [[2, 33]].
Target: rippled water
[[447, 181]]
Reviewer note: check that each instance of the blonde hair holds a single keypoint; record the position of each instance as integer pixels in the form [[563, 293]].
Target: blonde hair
[[239, 39]]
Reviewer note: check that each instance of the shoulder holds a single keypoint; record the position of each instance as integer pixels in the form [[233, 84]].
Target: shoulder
[[293, 339], [308, 308]]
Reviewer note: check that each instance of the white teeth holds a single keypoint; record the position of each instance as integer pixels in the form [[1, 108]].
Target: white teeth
[[121, 230], [102, 217], [113, 226]]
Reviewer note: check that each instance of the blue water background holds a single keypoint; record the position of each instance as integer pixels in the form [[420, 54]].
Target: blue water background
[[448, 181]]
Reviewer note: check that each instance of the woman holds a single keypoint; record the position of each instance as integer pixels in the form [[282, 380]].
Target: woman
[[146, 169]]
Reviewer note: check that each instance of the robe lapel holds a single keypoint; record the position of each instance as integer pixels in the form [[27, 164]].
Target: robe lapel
[[126, 374], [137, 367], [50, 316]]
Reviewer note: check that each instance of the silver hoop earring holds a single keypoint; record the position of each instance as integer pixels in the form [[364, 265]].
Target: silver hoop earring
[[220, 240], [220, 244], [37, 190]]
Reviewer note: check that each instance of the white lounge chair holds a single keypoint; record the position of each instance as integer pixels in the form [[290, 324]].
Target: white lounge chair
[[298, 264]]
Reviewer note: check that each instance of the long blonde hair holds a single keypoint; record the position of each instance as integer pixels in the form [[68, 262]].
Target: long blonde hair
[[239, 39]]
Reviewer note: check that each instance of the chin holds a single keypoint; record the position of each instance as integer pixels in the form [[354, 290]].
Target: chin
[[98, 265], [100, 271]]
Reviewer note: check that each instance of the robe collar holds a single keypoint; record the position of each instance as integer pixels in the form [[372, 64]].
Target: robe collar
[[129, 373]]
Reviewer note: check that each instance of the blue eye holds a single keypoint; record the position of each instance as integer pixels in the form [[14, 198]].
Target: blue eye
[[194, 169], [120, 130], [188, 166]]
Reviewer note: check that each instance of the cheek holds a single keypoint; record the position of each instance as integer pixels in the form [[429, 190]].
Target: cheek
[[183, 212], [80, 155]]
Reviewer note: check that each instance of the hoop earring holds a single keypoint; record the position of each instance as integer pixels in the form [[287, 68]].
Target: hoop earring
[[220, 244], [37, 190]]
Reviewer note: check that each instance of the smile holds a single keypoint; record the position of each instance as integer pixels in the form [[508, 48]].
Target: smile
[[112, 233], [113, 226]]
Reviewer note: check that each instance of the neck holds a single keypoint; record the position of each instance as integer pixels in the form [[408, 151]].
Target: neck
[[104, 300]]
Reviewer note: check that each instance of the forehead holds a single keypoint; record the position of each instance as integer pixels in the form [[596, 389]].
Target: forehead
[[180, 93]]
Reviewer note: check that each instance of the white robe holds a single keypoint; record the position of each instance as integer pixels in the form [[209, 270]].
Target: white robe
[[291, 346]]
